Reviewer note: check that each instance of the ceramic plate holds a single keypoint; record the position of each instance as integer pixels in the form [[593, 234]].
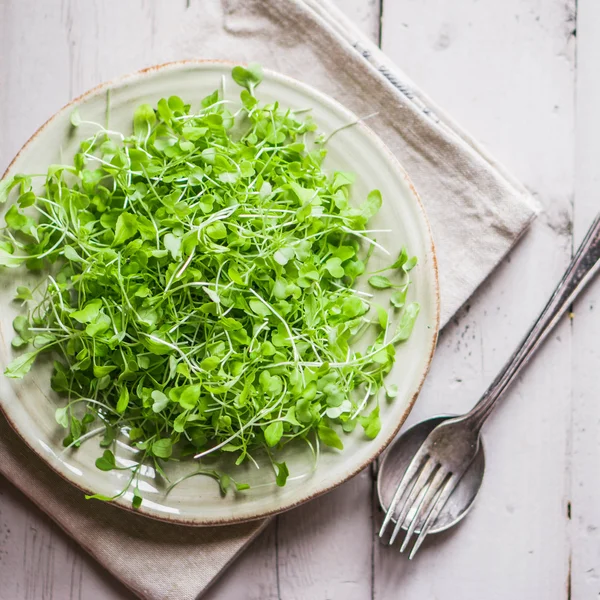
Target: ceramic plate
[[29, 404]]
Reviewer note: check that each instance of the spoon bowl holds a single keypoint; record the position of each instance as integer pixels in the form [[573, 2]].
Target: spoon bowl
[[432, 473], [396, 460]]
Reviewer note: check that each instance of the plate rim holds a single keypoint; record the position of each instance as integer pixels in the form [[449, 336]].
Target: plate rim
[[196, 521]]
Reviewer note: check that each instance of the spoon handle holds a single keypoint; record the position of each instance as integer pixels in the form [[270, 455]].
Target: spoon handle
[[583, 267]]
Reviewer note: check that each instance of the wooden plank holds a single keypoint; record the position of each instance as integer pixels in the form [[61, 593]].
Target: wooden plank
[[253, 574], [366, 15], [585, 424], [67, 47], [38, 562], [325, 548], [505, 71]]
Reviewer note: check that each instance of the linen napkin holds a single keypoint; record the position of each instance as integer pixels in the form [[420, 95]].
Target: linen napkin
[[477, 212]]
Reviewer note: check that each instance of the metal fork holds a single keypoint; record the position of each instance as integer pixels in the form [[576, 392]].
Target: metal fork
[[448, 451]]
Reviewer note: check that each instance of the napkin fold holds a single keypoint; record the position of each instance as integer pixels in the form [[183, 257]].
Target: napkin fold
[[477, 212]]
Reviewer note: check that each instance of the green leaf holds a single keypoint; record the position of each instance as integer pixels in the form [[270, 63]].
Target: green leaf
[[156, 345], [273, 432], [190, 396], [71, 254], [100, 497], [88, 418], [410, 264], [341, 179], [23, 293], [110, 434], [209, 155], [59, 380], [344, 252], [19, 342], [379, 282], [259, 308], [26, 199], [210, 99], [126, 228], [407, 322], [163, 448], [372, 204], [161, 401], [135, 433], [391, 391], [21, 365], [401, 260], [282, 473], [382, 317], [76, 431], [210, 363], [231, 324], [8, 260], [102, 370], [75, 118], [103, 383], [6, 185], [335, 395], [271, 384], [123, 401], [334, 412], [20, 324], [235, 276], [144, 120], [290, 416], [88, 313], [224, 482], [398, 298], [353, 307], [303, 412], [371, 423], [248, 77], [334, 266], [329, 437], [43, 339], [216, 231], [164, 110], [137, 500], [349, 426], [100, 324], [61, 415], [173, 245], [106, 462], [18, 221], [248, 100], [230, 177]]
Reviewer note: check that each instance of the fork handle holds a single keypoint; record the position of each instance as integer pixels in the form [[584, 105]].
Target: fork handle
[[583, 267]]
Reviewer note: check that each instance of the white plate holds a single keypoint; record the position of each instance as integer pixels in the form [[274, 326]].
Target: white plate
[[29, 405]]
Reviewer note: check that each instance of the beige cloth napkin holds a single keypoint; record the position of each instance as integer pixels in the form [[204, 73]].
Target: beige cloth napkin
[[477, 212]]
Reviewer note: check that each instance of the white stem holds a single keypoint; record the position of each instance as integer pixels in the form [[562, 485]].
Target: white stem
[[287, 327]]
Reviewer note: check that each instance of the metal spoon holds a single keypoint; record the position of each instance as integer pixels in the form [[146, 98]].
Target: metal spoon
[[392, 485]]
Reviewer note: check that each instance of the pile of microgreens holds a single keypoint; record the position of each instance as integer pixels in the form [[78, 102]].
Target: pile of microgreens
[[198, 282]]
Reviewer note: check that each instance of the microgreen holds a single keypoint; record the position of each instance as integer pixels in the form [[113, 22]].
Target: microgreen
[[198, 287]]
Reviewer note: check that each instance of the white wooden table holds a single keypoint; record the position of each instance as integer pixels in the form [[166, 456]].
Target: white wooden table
[[523, 77]]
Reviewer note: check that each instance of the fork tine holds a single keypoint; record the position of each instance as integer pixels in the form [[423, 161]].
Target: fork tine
[[421, 481], [446, 490], [422, 510], [416, 464]]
